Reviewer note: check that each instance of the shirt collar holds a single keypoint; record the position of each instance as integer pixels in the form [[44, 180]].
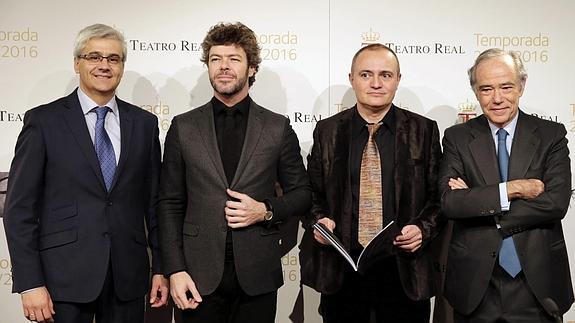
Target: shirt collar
[[510, 128], [242, 106], [88, 104], [388, 122]]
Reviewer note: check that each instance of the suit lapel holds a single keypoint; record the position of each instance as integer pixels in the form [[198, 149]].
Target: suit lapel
[[482, 148], [77, 123], [126, 129], [401, 152], [206, 127], [341, 172], [342, 149], [524, 146], [254, 131]]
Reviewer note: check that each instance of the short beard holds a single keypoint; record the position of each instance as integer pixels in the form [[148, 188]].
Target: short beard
[[241, 82]]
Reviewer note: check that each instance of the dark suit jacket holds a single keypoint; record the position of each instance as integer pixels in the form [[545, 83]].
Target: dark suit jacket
[[193, 195], [63, 228], [539, 151], [416, 158]]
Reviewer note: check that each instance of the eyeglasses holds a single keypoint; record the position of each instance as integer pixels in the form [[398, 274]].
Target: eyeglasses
[[95, 58]]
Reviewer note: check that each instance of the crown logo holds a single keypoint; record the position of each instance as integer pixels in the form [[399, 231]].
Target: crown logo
[[370, 37], [466, 107], [466, 111]]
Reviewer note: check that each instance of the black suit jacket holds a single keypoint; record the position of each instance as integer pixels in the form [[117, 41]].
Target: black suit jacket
[[193, 195], [539, 151], [63, 228], [416, 164]]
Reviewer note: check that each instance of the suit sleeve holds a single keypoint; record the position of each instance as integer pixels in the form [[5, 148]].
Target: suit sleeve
[[477, 201], [153, 184], [172, 203], [483, 201], [292, 177], [22, 211], [552, 204]]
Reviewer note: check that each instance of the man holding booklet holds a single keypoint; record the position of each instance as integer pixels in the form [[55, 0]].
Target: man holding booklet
[[371, 165]]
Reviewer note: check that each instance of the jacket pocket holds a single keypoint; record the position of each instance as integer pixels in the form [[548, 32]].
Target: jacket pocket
[[140, 238], [191, 229], [64, 212], [414, 162], [558, 245], [267, 232], [57, 239]]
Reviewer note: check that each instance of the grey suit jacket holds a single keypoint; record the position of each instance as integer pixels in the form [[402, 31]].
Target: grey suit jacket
[[539, 151], [193, 196]]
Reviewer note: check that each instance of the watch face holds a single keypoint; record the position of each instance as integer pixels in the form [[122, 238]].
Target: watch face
[[269, 215]]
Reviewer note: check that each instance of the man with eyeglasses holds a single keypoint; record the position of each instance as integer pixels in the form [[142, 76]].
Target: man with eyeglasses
[[81, 196]]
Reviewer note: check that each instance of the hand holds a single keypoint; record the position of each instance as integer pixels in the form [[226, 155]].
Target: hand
[[180, 284], [37, 305], [244, 212], [329, 224], [524, 188], [410, 238], [457, 184], [160, 287]]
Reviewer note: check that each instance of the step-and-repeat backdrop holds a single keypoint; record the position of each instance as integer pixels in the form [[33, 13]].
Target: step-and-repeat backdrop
[[307, 48]]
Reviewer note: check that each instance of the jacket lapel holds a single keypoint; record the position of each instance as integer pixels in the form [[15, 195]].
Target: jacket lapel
[[342, 149], [482, 148], [524, 146], [77, 123], [341, 175], [254, 131], [401, 151], [126, 129], [206, 127]]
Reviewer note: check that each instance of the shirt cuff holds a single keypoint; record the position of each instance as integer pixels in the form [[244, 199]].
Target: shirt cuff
[[29, 290], [505, 204]]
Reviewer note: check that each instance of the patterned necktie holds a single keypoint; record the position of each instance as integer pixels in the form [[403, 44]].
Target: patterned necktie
[[104, 148], [508, 258], [370, 190]]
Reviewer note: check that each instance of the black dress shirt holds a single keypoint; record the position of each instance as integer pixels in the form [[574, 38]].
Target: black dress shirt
[[230, 143], [235, 140]]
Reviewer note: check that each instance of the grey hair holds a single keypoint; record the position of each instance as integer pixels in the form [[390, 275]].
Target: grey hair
[[99, 31], [496, 53]]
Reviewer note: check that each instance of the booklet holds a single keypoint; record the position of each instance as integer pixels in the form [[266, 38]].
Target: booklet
[[380, 246]]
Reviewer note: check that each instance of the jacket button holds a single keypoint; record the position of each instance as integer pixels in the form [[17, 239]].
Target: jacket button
[[494, 254], [491, 211], [110, 203]]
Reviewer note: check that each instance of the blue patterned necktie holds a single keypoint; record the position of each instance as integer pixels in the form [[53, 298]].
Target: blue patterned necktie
[[508, 258], [104, 148]]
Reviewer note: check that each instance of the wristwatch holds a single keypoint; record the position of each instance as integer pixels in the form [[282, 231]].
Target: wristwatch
[[269, 210]]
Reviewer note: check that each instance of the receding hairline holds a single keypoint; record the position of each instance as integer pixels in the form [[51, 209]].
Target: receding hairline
[[509, 57], [375, 48]]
